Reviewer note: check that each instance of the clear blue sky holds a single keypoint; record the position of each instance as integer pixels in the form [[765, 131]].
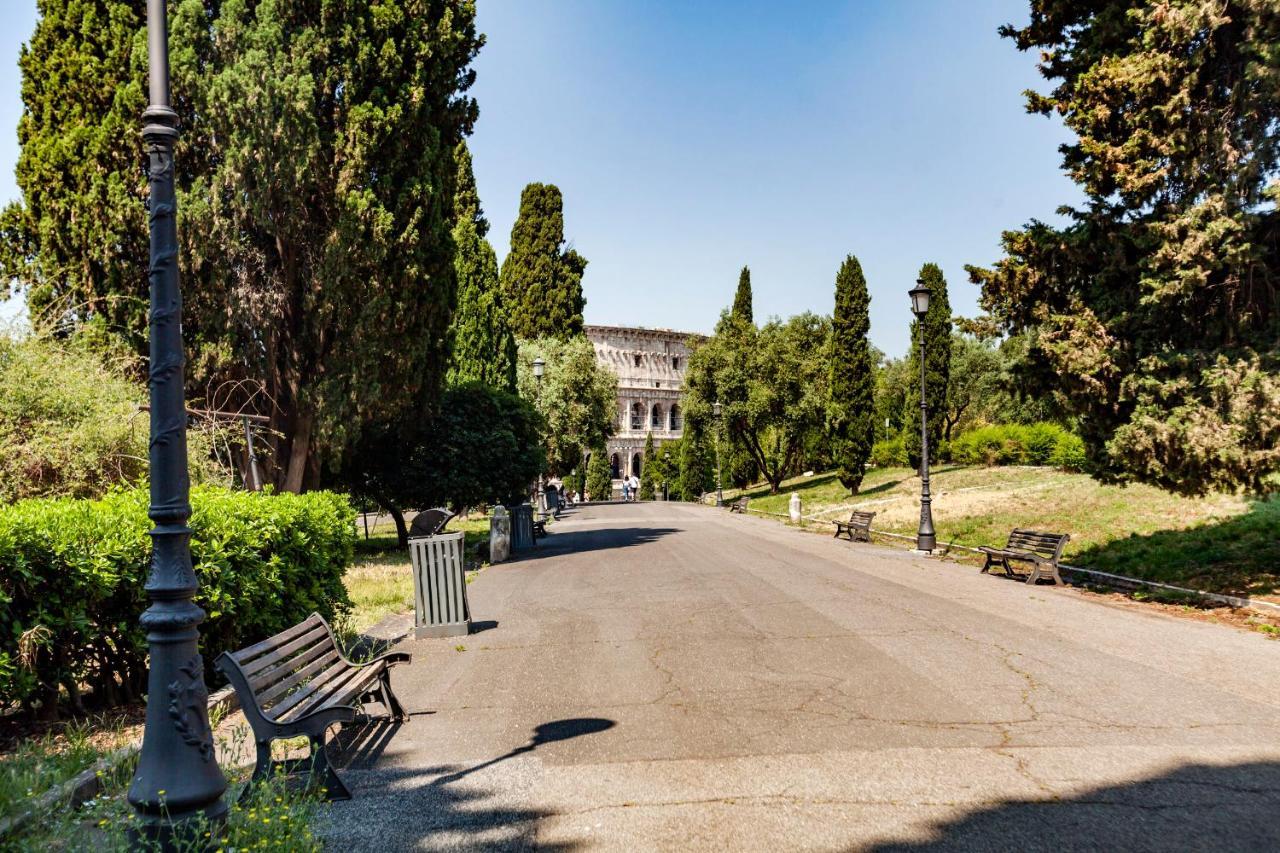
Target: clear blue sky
[[692, 138]]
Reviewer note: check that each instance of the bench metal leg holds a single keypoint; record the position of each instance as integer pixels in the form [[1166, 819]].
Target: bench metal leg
[[389, 700], [322, 771]]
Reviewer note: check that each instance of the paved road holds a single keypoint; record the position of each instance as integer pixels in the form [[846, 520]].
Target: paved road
[[672, 677]]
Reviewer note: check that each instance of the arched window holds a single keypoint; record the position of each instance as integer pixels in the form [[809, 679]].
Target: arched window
[[635, 464], [655, 417], [675, 423], [637, 360], [613, 467], [637, 416]]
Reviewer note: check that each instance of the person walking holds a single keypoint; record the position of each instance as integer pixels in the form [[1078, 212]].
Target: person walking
[[626, 489], [635, 487]]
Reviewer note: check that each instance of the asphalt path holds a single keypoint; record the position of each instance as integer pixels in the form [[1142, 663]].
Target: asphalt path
[[667, 676]]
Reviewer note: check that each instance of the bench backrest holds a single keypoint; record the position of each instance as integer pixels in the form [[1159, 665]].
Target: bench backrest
[[281, 671], [861, 518], [1047, 545], [741, 502]]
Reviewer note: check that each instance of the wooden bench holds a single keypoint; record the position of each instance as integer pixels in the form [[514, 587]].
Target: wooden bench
[[1042, 550], [857, 527], [740, 505], [299, 683]]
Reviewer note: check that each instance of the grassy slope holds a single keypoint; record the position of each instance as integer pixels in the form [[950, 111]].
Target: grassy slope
[[380, 582], [1220, 543]]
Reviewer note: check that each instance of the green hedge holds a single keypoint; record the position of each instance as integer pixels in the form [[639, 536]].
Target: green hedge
[[1018, 444], [72, 575]]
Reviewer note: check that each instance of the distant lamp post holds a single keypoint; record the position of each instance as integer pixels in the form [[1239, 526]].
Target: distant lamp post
[[926, 540], [539, 366], [716, 409], [177, 779]]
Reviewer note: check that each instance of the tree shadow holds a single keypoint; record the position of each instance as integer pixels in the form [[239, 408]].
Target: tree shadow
[[1193, 807], [1239, 556], [401, 809], [592, 539]]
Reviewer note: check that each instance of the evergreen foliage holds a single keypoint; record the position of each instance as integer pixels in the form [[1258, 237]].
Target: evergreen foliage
[[542, 279], [599, 478], [77, 243], [649, 471], [742, 298], [851, 409], [482, 445], [315, 174], [1154, 312], [936, 329], [483, 346], [696, 472]]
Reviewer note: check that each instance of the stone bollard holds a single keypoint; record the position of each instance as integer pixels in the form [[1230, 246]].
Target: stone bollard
[[500, 535], [794, 508]]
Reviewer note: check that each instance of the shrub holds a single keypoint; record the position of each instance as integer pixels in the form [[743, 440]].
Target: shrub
[[889, 453], [72, 574], [1068, 453], [1041, 443]]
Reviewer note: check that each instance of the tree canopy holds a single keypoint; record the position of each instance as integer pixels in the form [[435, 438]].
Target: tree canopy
[[316, 182], [577, 398], [1154, 311], [772, 385], [541, 278]]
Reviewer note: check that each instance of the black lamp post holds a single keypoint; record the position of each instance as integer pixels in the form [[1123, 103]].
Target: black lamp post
[[539, 366], [716, 409], [666, 473], [925, 538], [178, 778]]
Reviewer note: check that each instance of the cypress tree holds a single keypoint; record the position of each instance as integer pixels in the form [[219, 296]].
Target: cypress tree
[[599, 477], [742, 298], [851, 409], [541, 279], [483, 347], [650, 469], [936, 329], [77, 242]]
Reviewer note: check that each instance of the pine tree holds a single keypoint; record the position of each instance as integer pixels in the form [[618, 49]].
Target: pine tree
[[851, 409], [483, 347], [742, 298], [1152, 315], [541, 280], [936, 329], [696, 463], [650, 469]]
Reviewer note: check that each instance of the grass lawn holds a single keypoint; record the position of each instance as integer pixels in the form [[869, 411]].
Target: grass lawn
[[380, 582], [1219, 543]]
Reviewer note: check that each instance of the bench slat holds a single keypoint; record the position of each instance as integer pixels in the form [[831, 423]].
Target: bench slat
[[268, 677], [274, 640], [347, 681], [281, 688], [317, 635]]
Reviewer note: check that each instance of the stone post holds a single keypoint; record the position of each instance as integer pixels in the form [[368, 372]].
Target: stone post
[[794, 508], [500, 535]]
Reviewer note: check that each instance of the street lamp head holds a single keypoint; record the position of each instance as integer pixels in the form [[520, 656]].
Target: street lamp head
[[919, 298], [538, 366], [716, 408]]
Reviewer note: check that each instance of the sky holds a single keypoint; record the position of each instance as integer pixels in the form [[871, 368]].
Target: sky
[[691, 139]]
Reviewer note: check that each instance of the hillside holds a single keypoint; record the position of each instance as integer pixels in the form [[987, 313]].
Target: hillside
[[1219, 543]]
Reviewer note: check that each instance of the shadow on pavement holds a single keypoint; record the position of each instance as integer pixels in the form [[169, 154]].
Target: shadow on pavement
[[1194, 807], [393, 810], [592, 539]]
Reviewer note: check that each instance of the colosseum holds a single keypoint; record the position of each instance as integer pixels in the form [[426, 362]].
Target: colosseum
[[650, 364]]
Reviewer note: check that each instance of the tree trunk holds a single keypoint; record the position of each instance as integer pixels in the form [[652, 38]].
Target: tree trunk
[[299, 452], [402, 531]]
